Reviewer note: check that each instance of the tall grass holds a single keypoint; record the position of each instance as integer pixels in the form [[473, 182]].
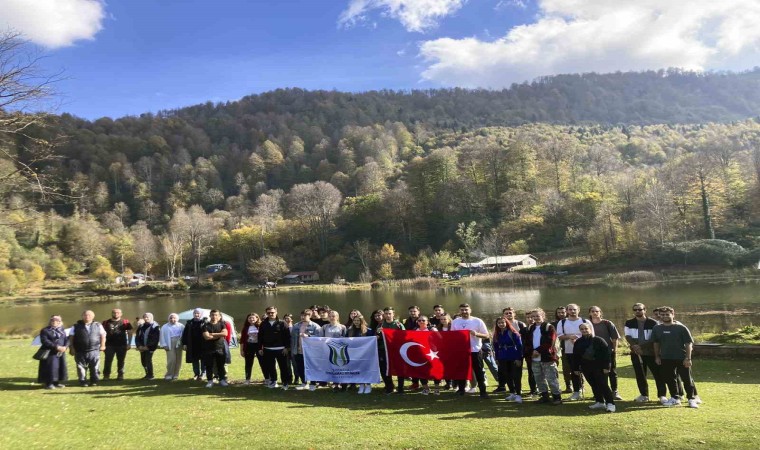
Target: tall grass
[[504, 279], [636, 276], [415, 283]]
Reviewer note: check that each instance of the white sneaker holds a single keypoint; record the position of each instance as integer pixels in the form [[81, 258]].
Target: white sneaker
[[246, 382], [471, 390], [640, 399], [312, 387], [509, 397], [223, 383], [361, 389], [302, 386], [664, 400], [210, 384], [698, 400], [673, 402], [517, 398], [576, 396], [367, 388], [285, 387], [610, 408], [617, 396], [168, 378], [597, 405], [273, 385], [693, 403]]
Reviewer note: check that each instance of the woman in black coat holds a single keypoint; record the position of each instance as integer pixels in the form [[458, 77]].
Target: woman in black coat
[[52, 370], [192, 339]]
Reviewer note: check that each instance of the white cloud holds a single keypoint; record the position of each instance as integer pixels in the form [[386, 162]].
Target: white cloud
[[414, 15], [53, 23], [571, 36]]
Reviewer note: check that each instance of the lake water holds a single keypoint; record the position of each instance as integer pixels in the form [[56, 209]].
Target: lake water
[[702, 307]]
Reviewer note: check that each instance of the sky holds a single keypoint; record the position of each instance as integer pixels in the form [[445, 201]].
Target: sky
[[127, 57]]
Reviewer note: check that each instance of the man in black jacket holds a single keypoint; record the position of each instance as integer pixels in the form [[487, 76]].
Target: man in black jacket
[[274, 344], [638, 334], [88, 340], [117, 343]]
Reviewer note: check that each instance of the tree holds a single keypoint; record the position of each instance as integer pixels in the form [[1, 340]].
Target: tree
[[201, 231], [470, 239], [145, 246], [268, 267], [23, 91], [101, 270], [56, 270], [267, 212], [123, 247], [315, 205]]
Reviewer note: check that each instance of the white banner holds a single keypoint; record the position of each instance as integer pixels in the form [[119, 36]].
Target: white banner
[[341, 360]]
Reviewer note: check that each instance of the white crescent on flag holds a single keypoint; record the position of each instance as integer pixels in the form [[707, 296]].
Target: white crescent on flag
[[403, 352]]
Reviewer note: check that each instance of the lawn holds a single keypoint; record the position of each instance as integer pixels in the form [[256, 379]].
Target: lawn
[[184, 414]]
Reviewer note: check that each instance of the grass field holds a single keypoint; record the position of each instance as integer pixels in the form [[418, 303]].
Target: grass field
[[184, 414]]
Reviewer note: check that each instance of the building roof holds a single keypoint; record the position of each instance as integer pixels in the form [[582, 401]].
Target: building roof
[[511, 259], [307, 273]]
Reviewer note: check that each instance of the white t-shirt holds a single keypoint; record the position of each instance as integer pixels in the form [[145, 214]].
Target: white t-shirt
[[537, 340], [571, 327], [473, 323]]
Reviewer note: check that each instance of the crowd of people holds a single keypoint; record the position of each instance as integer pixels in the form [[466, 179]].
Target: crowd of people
[[584, 348]]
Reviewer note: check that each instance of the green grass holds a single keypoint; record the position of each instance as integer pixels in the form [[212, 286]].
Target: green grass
[[183, 414], [749, 335]]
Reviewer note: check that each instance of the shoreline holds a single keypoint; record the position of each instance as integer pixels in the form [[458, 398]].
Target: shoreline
[[75, 290]]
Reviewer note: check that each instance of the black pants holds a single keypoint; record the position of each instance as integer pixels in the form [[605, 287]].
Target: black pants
[[670, 371], [613, 378], [510, 374], [477, 367], [598, 380], [270, 356], [531, 378], [121, 353], [218, 360], [146, 358], [251, 354], [640, 366], [387, 379], [576, 379]]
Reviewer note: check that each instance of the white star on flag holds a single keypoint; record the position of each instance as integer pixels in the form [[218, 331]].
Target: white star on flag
[[432, 355]]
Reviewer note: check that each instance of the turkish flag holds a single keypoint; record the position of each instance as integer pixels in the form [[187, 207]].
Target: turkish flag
[[430, 355]]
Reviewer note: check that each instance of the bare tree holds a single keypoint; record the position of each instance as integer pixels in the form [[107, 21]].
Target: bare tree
[[145, 246], [23, 92], [315, 205], [201, 231], [267, 212]]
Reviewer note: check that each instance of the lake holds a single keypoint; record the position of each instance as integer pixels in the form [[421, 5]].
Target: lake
[[702, 307]]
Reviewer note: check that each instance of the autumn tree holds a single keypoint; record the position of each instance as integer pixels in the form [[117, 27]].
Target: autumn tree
[[315, 205]]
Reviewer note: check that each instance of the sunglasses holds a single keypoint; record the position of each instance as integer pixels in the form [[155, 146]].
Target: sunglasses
[[638, 309]]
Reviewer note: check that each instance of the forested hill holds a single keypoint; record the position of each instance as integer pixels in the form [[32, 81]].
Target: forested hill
[[384, 184], [620, 98]]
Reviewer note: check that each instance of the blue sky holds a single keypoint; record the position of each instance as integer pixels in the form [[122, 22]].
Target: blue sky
[[129, 57]]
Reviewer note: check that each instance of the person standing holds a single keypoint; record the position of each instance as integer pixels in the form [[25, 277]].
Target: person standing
[[171, 341], [672, 351], [249, 344], [147, 339], [478, 331], [88, 339], [304, 329], [117, 343], [359, 328], [389, 321], [638, 334], [559, 314], [509, 357], [438, 312], [52, 370], [214, 348], [541, 345], [593, 362], [411, 321], [334, 329], [607, 330], [528, 356], [192, 342], [568, 331], [274, 346]]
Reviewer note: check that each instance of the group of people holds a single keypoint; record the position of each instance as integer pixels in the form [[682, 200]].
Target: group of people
[[585, 348]]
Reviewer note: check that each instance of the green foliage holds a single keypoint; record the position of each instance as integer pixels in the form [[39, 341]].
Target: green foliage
[[8, 282], [748, 335], [703, 252], [268, 267], [57, 270], [101, 270]]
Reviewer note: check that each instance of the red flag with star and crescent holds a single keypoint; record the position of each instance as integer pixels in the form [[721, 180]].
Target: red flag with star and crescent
[[430, 355]]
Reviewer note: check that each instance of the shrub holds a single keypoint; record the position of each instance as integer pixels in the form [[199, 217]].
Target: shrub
[[8, 282], [34, 273], [57, 270], [703, 252], [636, 276], [101, 270]]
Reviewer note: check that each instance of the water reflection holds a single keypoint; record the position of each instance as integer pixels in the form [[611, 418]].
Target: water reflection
[[702, 307]]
